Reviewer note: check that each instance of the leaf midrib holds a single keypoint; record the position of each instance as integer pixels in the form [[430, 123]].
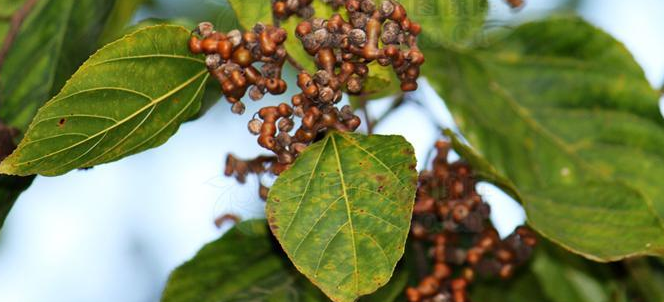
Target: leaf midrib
[[129, 117], [348, 212]]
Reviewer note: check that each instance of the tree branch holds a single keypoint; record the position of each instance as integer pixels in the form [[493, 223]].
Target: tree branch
[[294, 63], [363, 106], [14, 26], [395, 104]]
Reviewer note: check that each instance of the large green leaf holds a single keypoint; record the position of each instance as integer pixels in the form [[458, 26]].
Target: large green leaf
[[130, 96], [55, 38], [240, 266], [342, 211], [447, 22], [245, 265], [564, 111]]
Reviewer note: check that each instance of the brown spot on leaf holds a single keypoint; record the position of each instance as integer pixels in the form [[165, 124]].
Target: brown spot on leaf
[[380, 178], [176, 100], [62, 122]]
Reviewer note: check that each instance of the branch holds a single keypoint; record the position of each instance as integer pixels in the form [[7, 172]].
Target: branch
[[395, 104], [14, 26], [363, 105], [295, 63]]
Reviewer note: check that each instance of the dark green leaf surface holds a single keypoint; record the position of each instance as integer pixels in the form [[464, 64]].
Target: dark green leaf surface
[[245, 265], [130, 96], [55, 38], [447, 22], [342, 211], [10, 188], [555, 275], [563, 110], [240, 266]]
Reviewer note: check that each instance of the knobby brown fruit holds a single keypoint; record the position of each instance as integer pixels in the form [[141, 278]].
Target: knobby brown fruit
[[452, 221]]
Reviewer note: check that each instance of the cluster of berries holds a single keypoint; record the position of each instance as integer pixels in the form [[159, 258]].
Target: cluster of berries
[[351, 46], [230, 58], [285, 8], [452, 221], [342, 52]]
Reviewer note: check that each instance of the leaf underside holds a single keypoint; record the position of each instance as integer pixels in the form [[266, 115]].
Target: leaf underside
[[130, 96], [342, 211]]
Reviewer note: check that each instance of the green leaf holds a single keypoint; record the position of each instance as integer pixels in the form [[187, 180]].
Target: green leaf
[[55, 38], [249, 13], [482, 169], [563, 111], [240, 266], [342, 211], [130, 96], [555, 275], [522, 288], [244, 265], [447, 22], [10, 188]]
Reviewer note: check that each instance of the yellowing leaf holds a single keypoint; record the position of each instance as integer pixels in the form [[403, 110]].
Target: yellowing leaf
[[342, 212]]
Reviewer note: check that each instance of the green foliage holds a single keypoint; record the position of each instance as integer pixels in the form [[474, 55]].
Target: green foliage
[[564, 111], [52, 42], [130, 96], [245, 265], [447, 22], [240, 266], [342, 211], [10, 188]]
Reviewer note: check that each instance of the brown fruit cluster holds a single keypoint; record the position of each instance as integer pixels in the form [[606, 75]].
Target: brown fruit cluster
[[350, 46], [452, 220], [316, 119], [516, 4], [240, 169], [230, 58], [285, 8]]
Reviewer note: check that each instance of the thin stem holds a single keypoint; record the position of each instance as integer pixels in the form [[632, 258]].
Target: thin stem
[[295, 63], [14, 26], [395, 104], [363, 105]]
